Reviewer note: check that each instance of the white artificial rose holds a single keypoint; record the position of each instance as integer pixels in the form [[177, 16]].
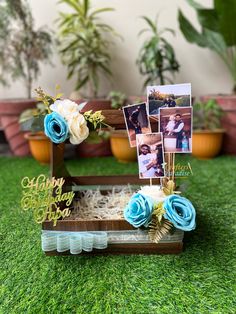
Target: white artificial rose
[[77, 128], [65, 108], [154, 192]]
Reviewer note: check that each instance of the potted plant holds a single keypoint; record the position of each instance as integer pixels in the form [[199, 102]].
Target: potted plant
[[22, 48], [84, 49], [218, 33], [207, 130], [156, 56]]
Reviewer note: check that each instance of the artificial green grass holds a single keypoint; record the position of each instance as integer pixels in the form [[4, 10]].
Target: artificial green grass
[[200, 280]]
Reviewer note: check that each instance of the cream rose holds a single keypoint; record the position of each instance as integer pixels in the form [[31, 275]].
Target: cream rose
[[77, 128], [154, 192], [65, 108]]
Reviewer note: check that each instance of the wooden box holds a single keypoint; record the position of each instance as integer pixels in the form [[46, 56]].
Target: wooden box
[[170, 244]]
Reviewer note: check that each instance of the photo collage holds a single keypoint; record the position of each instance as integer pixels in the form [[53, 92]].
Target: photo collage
[[170, 107]]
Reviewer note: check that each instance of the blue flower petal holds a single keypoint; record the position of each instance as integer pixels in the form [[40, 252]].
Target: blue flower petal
[[55, 127], [180, 212], [138, 212]]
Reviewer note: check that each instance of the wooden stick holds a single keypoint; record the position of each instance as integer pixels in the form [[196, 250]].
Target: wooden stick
[[161, 182], [169, 164], [150, 181], [173, 167]]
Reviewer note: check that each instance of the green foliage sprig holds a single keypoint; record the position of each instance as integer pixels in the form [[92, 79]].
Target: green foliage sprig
[[156, 56], [117, 99], [33, 119], [95, 118], [96, 125], [22, 47], [207, 116], [46, 99]]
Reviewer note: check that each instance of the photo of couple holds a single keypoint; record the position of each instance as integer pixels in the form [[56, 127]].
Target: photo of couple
[[176, 126], [150, 156], [137, 122], [168, 96]]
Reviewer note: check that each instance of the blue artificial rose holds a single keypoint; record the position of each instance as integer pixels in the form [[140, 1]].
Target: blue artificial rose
[[180, 212], [138, 212], [55, 127]]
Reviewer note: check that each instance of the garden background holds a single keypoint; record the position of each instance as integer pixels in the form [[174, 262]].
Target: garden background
[[201, 67]]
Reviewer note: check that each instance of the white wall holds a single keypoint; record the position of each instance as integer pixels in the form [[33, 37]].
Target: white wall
[[199, 66]]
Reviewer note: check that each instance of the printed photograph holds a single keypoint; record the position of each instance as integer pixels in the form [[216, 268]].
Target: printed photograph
[[176, 126], [150, 155], [168, 96], [136, 120]]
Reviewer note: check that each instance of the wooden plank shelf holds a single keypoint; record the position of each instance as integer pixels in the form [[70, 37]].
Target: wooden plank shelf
[[88, 225]]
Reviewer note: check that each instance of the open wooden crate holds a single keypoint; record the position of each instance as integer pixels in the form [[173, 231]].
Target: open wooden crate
[[171, 244]]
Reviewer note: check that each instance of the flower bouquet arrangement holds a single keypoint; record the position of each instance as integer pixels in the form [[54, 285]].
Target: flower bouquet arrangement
[[160, 209], [61, 119]]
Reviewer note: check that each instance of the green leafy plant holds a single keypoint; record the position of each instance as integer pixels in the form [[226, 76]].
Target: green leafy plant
[[117, 99], [84, 44], [22, 47], [156, 56], [207, 116], [218, 31]]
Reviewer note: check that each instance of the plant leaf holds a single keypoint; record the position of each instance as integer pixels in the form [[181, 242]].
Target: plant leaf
[[190, 33], [194, 4], [208, 18], [95, 12], [159, 229], [150, 23], [226, 11]]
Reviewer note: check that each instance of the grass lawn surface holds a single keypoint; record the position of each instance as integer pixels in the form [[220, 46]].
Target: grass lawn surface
[[200, 280]]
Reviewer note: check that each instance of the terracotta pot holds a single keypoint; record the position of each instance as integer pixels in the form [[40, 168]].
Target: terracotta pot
[[40, 147], [228, 104], [120, 147], [207, 144], [86, 150], [10, 110]]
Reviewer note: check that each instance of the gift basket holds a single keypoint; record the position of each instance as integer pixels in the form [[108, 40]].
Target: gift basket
[[142, 213]]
